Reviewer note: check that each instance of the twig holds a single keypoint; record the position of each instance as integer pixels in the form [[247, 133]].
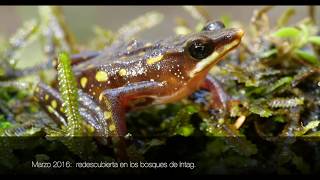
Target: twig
[[312, 14], [198, 13], [239, 121]]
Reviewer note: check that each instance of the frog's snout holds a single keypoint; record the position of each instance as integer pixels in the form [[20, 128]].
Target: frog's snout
[[239, 33], [234, 34], [227, 40]]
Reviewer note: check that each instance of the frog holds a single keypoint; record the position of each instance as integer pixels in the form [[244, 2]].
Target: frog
[[130, 75]]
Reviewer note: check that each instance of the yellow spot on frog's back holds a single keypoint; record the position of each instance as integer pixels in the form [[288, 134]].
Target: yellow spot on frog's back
[[122, 72], [90, 128], [50, 109], [141, 53], [101, 76], [148, 44], [100, 96], [46, 97], [90, 66], [54, 104], [107, 114], [112, 127], [153, 60], [83, 82]]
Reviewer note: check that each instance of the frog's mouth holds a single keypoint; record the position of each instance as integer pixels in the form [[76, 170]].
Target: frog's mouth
[[217, 55]]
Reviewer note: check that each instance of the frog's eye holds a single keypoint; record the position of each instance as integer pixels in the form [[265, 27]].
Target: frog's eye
[[213, 26], [200, 48]]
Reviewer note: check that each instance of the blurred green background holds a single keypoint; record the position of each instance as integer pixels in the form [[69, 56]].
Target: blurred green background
[[82, 18]]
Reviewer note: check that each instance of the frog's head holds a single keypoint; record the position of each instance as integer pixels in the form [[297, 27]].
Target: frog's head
[[189, 58], [205, 49]]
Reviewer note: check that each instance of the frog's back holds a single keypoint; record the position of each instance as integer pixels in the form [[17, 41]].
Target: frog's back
[[131, 64]]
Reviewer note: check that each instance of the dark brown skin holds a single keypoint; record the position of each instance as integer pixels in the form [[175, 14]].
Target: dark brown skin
[[141, 74]]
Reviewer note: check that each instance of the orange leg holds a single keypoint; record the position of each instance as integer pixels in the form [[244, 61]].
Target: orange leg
[[114, 104]]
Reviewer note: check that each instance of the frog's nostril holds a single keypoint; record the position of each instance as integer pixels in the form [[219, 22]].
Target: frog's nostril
[[228, 36]]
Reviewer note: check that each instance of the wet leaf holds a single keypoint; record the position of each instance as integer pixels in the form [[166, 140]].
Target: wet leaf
[[308, 57], [304, 129], [309, 126], [287, 32], [315, 40], [262, 111], [279, 83], [186, 130], [268, 53], [4, 124]]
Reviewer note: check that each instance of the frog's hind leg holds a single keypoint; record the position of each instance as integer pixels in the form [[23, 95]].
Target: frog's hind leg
[[80, 57], [51, 101]]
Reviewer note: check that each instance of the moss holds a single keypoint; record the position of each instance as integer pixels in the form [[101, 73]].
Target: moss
[[69, 93]]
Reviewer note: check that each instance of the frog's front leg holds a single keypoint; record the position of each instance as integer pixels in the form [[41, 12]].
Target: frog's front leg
[[219, 97], [114, 102]]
